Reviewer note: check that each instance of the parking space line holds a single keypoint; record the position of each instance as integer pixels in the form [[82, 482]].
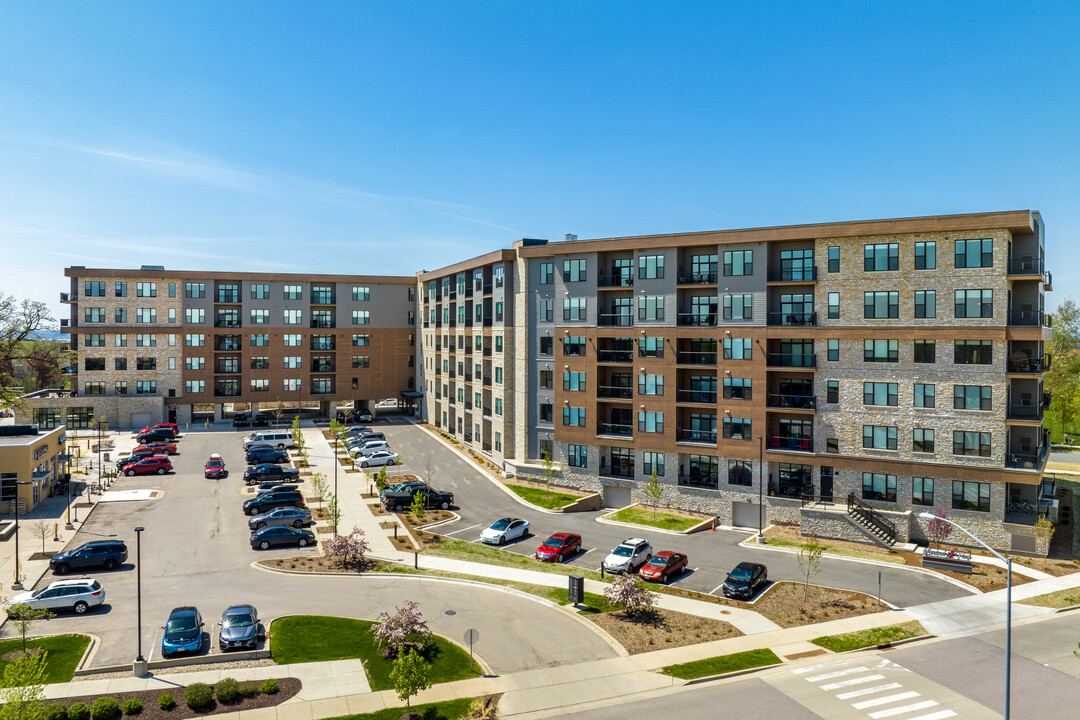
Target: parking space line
[[718, 587], [463, 529]]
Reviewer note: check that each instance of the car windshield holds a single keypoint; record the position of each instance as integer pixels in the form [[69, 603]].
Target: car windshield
[[742, 574], [500, 524], [215, 463], [658, 561], [623, 551], [240, 619], [37, 593], [181, 625], [554, 542]]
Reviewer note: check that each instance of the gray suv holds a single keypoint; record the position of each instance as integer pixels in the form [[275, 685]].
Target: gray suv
[[109, 554]]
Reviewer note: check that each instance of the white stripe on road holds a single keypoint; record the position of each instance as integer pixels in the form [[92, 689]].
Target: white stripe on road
[[810, 668], [940, 715], [848, 683], [906, 708], [585, 553], [885, 700], [800, 670], [463, 529], [867, 691], [839, 673]]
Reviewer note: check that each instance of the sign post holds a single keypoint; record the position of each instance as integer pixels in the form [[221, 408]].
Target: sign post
[[471, 636]]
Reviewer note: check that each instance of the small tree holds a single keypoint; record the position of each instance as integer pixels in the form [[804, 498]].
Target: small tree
[[429, 467], [41, 529], [22, 615], [403, 630], [380, 479], [652, 491], [22, 688], [351, 547], [631, 595], [419, 501], [278, 411], [333, 512], [410, 674], [298, 437], [810, 561], [550, 471], [938, 529], [318, 485]]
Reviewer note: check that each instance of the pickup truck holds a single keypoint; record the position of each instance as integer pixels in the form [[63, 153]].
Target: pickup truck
[[398, 500], [270, 473]]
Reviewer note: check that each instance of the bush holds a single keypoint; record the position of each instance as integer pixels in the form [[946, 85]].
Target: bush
[[269, 687], [227, 690], [248, 688], [78, 711], [198, 696], [165, 701], [55, 711], [132, 706], [104, 708]]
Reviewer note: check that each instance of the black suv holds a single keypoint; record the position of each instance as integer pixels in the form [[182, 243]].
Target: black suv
[[241, 419], [109, 554], [270, 500], [260, 420], [155, 435], [258, 454]]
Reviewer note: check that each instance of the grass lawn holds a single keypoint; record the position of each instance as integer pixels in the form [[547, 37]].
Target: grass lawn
[[541, 497], [65, 652], [662, 520], [722, 664], [1057, 436], [871, 637], [478, 552], [316, 638], [1060, 599], [449, 710], [835, 550]]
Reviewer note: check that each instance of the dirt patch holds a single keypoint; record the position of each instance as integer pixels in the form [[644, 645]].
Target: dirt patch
[[659, 629], [790, 605], [43, 555], [319, 564], [14, 655]]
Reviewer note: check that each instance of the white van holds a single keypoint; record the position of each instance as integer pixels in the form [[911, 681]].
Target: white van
[[278, 438]]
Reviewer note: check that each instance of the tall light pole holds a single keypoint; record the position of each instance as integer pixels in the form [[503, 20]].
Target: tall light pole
[[138, 591], [99, 423], [760, 490], [17, 585], [335, 461], [1008, 600]]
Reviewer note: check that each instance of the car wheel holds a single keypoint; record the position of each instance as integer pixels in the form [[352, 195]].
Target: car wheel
[[161, 471], [111, 564], [281, 446], [302, 542], [298, 524], [264, 545], [80, 607], [398, 507], [389, 462], [260, 526], [364, 464], [444, 506], [130, 473], [253, 511], [63, 569]]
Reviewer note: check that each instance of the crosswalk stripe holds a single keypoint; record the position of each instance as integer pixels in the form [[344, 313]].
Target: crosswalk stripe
[[906, 708], [838, 673], [867, 691], [848, 683], [818, 666], [940, 715], [884, 700]]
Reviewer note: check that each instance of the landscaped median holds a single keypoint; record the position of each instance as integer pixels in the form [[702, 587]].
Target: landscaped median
[[64, 654], [871, 637], [651, 517], [722, 664], [543, 497]]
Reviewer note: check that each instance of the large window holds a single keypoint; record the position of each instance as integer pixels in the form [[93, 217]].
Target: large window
[[547, 273], [574, 270], [293, 292], [879, 393], [922, 440], [652, 462], [739, 307], [797, 265], [651, 307], [972, 397], [95, 339], [361, 293], [292, 317], [194, 386], [146, 289], [971, 443], [194, 290], [651, 347], [94, 288], [925, 303], [195, 340], [738, 349], [573, 346], [834, 259], [92, 363], [973, 352], [925, 351], [737, 428], [971, 496], [922, 491], [734, 388], [877, 305], [573, 381], [925, 395], [577, 456], [573, 416], [649, 384], [738, 262], [975, 253], [881, 351], [880, 257], [94, 315], [145, 340], [651, 267], [879, 486], [146, 387], [361, 317], [650, 421], [260, 291], [974, 303], [573, 309], [925, 255], [740, 472], [879, 437]]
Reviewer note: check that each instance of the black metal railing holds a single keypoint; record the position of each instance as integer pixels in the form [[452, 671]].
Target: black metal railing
[[617, 393], [774, 359], [1028, 460], [617, 356], [323, 323], [615, 320], [709, 481], [707, 437], [1027, 265], [695, 396], [614, 430], [1033, 365], [871, 518], [698, 278], [227, 368], [1027, 317], [686, 357], [615, 281], [617, 470], [796, 402], [795, 443], [793, 319], [698, 319], [227, 322], [1018, 411], [228, 296], [796, 274]]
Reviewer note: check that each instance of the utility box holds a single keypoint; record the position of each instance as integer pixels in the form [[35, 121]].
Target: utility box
[[577, 589]]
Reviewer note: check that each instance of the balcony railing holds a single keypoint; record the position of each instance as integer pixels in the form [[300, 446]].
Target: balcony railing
[[615, 356], [614, 430], [797, 274], [486, 410], [790, 442], [708, 277], [618, 393], [69, 297], [706, 480], [1029, 318], [1027, 265], [1034, 365], [696, 396], [322, 344], [468, 405], [791, 360], [226, 392], [795, 319], [64, 322], [615, 281], [698, 319], [615, 320], [226, 346], [227, 322], [228, 296], [487, 380], [618, 470], [323, 323], [226, 368], [795, 402], [323, 367], [1016, 411], [696, 358], [704, 437], [1027, 460]]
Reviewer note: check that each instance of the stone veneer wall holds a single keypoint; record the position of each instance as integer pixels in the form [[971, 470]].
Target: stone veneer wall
[[117, 409], [835, 523]]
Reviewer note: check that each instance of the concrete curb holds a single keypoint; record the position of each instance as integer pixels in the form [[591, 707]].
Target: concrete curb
[[890, 645], [604, 519], [1066, 609], [182, 662], [732, 674]]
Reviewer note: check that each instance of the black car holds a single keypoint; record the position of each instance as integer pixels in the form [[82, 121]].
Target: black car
[[109, 554], [270, 473], [281, 536], [260, 420], [745, 580], [276, 498], [134, 458], [155, 435], [398, 500], [258, 454], [240, 628], [241, 419]]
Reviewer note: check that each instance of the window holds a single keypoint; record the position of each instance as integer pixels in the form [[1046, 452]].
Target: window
[[573, 381], [832, 349], [194, 316], [145, 387], [361, 361], [361, 293], [975, 253], [922, 440], [734, 388], [94, 339], [971, 496], [291, 384], [573, 416], [651, 307], [94, 288], [737, 349], [260, 291], [925, 351], [292, 317], [196, 340], [926, 259], [195, 290], [498, 311], [879, 393], [120, 363], [120, 289], [652, 462], [737, 428], [573, 309], [974, 303], [971, 397], [739, 307], [650, 422], [498, 343], [832, 445], [145, 340], [546, 309], [292, 362], [547, 345], [881, 350], [971, 443], [922, 491], [260, 385], [195, 386], [293, 292], [878, 486], [146, 289], [361, 340], [228, 293], [651, 347], [651, 267], [172, 315], [879, 437], [547, 273], [702, 269], [120, 315], [924, 395], [120, 340], [797, 265], [834, 259], [498, 273], [577, 456], [499, 375], [832, 391], [94, 363], [574, 270], [197, 363], [145, 363], [972, 352], [361, 317], [574, 346], [740, 472], [881, 305], [120, 387], [881, 257], [738, 262], [925, 303], [94, 315], [650, 384], [498, 406], [834, 305], [547, 413], [260, 316], [260, 339]]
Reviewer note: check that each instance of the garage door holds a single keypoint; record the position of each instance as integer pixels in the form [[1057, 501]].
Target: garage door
[[744, 514], [616, 497], [140, 420]]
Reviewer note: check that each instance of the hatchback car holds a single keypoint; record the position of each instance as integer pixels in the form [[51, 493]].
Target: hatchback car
[[148, 466], [663, 566], [158, 448], [745, 580], [281, 536], [504, 530], [155, 434], [259, 454], [109, 554], [76, 595], [215, 467], [378, 458], [240, 628], [133, 458], [294, 517], [628, 555], [559, 547], [183, 632]]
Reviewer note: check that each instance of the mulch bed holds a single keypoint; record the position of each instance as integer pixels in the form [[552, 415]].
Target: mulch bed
[[43, 555], [784, 604], [287, 687], [659, 629]]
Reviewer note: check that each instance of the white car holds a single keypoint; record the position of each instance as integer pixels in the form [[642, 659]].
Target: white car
[[377, 458], [77, 595], [504, 530], [368, 448], [629, 555]]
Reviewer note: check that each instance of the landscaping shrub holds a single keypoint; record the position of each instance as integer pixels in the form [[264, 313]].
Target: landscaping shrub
[[132, 706], [248, 688], [198, 696], [269, 687], [78, 711], [227, 690], [165, 701], [55, 711], [104, 708]]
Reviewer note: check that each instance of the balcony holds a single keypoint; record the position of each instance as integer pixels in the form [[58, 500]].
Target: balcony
[[696, 358], [615, 281], [453, 373], [697, 319], [807, 360], [227, 323], [1017, 411], [1029, 318], [800, 319], [1028, 460], [69, 297], [615, 356], [227, 368], [487, 351], [231, 297], [486, 380], [1027, 265], [620, 470], [611, 430], [223, 344], [792, 402], [790, 443], [468, 377], [794, 275], [1033, 365], [701, 437], [323, 323], [698, 278], [696, 396], [468, 406], [323, 367], [65, 322], [487, 288], [616, 393], [615, 320], [486, 410], [226, 391]]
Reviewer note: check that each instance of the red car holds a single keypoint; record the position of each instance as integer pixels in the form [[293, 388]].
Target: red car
[[167, 448], [559, 547], [215, 467], [663, 566], [171, 426], [156, 464]]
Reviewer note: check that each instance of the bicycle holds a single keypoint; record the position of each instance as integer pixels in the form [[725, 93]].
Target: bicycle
[[1021, 507]]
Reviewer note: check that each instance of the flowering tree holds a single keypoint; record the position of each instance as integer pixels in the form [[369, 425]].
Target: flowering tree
[[351, 547], [626, 591], [401, 631], [938, 530]]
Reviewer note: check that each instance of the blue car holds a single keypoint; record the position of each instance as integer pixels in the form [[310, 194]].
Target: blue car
[[183, 632]]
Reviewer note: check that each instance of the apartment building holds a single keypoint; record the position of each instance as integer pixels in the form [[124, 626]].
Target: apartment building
[[158, 345], [842, 376]]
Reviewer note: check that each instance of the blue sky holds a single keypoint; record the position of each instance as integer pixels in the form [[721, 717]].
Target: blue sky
[[384, 138]]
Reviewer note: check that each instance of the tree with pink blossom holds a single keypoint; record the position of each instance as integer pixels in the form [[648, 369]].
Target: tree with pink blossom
[[349, 548], [631, 595], [938, 529], [403, 630]]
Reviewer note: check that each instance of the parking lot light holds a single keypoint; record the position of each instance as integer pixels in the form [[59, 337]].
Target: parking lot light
[[138, 591]]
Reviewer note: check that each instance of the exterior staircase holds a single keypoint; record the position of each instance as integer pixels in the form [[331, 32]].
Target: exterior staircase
[[870, 521]]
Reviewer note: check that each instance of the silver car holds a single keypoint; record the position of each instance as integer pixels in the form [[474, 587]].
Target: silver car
[[377, 458], [290, 516], [77, 595]]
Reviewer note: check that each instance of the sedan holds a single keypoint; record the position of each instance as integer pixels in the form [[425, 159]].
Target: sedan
[[291, 516], [240, 628], [183, 632], [260, 420], [663, 566], [281, 536], [745, 580], [559, 547], [504, 530], [147, 466], [167, 426], [158, 448], [379, 457]]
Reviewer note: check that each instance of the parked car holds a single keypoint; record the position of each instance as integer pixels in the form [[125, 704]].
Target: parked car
[[408, 486], [168, 426], [292, 516], [183, 632], [397, 500], [281, 536], [134, 458], [504, 530], [663, 566], [77, 595], [365, 417], [260, 420], [368, 448], [157, 448], [628, 555], [270, 473], [241, 419], [268, 501], [365, 438], [354, 431], [269, 486], [240, 628], [377, 458], [745, 580], [559, 547], [109, 554], [215, 467], [258, 454], [147, 466], [155, 434], [277, 438]]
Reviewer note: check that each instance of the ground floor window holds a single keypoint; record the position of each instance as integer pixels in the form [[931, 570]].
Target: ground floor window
[[652, 462], [701, 471], [794, 480], [971, 496], [47, 418], [8, 486], [740, 472], [577, 455], [879, 486], [79, 417]]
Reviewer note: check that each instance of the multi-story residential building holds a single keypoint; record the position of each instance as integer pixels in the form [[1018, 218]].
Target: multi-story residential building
[[843, 376], [159, 345]]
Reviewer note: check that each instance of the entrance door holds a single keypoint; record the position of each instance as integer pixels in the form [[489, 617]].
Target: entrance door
[[172, 413], [826, 488]]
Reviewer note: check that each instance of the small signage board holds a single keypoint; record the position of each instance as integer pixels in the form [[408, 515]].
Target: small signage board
[[954, 560]]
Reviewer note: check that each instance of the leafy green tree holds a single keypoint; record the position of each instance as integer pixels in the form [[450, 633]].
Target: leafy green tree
[[550, 471], [21, 324], [22, 615], [1065, 334], [652, 491], [1063, 382], [22, 688], [411, 674], [419, 502], [278, 411], [810, 560], [333, 511], [297, 435], [318, 486]]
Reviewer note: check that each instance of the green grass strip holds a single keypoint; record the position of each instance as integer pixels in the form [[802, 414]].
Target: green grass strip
[[1060, 599], [542, 497], [478, 552], [722, 664], [871, 637], [835, 550], [65, 652], [446, 710], [657, 519]]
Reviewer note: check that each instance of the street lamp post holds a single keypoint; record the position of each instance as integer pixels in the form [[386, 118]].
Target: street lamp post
[[139, 668], [760, 489], [100, 423], [1008, 600], [335, 461], [17, 585]]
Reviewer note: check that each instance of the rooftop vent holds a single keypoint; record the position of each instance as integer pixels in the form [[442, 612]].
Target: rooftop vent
[[569, 237]]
